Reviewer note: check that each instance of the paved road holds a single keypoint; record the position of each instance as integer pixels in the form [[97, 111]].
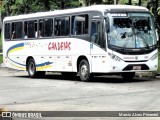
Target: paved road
[[55, 93]]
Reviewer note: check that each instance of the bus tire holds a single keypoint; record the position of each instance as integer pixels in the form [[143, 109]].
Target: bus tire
[[128, 76], [31, 68], [84, 70]]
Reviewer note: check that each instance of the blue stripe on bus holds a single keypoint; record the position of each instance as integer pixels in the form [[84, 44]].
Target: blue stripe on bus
[[43, 64], [15, 46], [21, 45], [17, 62]]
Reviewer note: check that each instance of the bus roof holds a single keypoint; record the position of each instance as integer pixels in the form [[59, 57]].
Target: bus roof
[[100, 8]]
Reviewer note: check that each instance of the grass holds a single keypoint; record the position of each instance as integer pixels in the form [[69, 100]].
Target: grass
[[1, 58]]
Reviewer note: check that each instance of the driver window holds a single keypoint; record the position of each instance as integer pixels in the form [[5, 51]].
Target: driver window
[[95, 32]]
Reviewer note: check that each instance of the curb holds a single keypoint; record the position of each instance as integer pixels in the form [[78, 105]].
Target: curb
[[146, 74], [1, 65]]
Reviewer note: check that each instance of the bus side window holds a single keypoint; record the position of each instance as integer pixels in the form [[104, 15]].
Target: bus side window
[[17, 30], [55, 29], [7, 31], [25, 30], [95, 32], [80, 24], [48, 29], [62, 26], [41, 28], [13, 31], [32, 28], [13, 35]]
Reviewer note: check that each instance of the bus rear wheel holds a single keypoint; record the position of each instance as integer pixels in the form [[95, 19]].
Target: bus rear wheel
[[31, 68], [128, 76], [84, 70]]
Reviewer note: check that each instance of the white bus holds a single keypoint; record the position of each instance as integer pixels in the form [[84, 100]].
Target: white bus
[[88, 41]]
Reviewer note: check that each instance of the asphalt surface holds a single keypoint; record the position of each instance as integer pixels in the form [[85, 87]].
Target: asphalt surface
[[18, 92]]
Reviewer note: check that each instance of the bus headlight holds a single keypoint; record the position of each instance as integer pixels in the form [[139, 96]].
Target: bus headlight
[[154, 56], [114, 57]]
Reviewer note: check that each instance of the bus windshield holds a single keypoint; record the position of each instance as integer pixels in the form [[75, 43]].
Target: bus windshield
[[132, 30]]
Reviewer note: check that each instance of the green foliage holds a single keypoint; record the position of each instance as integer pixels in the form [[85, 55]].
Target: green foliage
[[158, 9], [154, 7], [110, 2], [123, 2], [96, 1], [31, 6], [0, 41], [2, 9], [1, 58]]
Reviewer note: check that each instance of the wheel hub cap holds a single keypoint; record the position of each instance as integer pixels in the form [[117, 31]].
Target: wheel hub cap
[[31, 69], [84, 70]]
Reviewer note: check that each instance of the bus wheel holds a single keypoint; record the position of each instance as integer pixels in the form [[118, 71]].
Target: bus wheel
[[84, 71], [31, 68], [128, 76]]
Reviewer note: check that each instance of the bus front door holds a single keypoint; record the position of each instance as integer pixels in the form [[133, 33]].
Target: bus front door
[[96, 46]]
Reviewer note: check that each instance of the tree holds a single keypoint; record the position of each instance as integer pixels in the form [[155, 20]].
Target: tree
[[29, 6], [63, 4], [129, 2], [110, 2], [91, 2], [135, 2], [6, 6], [154, 7]]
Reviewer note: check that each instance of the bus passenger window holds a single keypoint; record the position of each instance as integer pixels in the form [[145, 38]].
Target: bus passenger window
[[25, 30], [13, 35], [32, 28], [62, 26], [17, 30], [80, 24], [7, 31], [41, 28], [13, 31], [48, 29]]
